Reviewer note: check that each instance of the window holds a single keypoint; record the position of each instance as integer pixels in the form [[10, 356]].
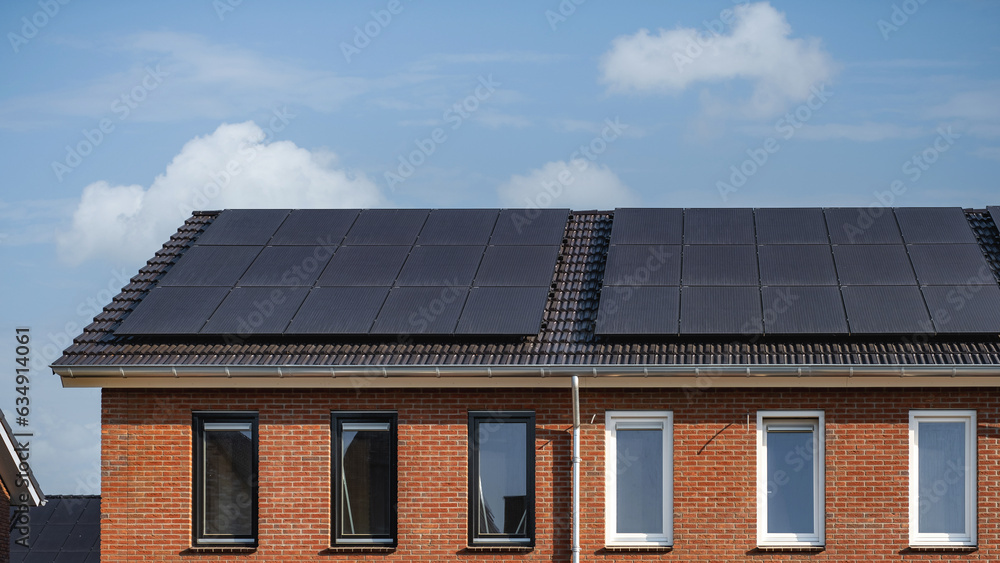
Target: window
[[501, 478], [639, 478], [364, 474], [942, 477], [790, 474], [225, 479]]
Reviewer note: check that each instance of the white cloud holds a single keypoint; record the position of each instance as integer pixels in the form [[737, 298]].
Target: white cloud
[[496, 120], [577, 184], [234, 167], [758, 49]]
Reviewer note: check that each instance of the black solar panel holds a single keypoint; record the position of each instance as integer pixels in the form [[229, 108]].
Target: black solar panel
[[211, 266], [315, 227], [441, 265], [287, 266], [791, 226], [718, 226], [83, 537], [647, 226], [643, 264], [950, 264], [886, 309], [173, 310], [963, 309], [720, 265], [509, 266], [873, 264], [387, 226], [420, 310], [243, 227], [803, 310], [638, 310], [338, 310], [52, 537], [256, 310], [995, 215], [71, 557], [934, 225], [530, 227], [503, 310], [797, 264], [364, 266], [720, 310], [862, 225], [458, 226]]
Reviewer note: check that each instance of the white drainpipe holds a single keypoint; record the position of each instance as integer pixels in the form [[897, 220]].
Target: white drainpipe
[[576, 469]]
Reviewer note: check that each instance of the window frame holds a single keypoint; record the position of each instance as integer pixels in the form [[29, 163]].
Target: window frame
[[199, 419], [792, 419], [508, 540], [647, 420], [336, 419], [925, 539]]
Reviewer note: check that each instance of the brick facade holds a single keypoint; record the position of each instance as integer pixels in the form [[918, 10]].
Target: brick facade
[[146, 471]]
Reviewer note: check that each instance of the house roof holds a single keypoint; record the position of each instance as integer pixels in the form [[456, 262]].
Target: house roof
[[17, 480], [67, 528], [567, 336]]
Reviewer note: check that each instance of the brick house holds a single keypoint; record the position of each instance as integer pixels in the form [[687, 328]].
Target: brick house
[[526, 385], [19, 490]]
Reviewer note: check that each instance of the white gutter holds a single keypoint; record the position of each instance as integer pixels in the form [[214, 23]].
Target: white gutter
[[575, 382]]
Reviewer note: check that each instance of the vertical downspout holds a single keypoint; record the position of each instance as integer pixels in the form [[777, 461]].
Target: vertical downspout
[[576, 469]]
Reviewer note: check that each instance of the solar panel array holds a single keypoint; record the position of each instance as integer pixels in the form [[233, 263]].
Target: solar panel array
[[796, 271], [379, 271]]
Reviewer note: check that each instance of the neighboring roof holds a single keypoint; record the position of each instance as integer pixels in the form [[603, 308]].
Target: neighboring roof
[[67, 529], [10, 468], [567, 336]]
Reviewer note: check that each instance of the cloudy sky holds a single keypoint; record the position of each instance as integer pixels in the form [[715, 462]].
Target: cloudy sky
[[117, 120]]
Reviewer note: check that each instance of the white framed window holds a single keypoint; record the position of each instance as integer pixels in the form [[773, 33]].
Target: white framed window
[[942, 477], [639, 493], [790, 478]]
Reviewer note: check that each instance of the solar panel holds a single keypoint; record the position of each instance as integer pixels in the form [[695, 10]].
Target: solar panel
[[255, 310], [441, 265], [364, 266], [51, 537], [803, 310], [962, 309], [934, 225], [316, 227], [71, 557], [720, 310], [886, 309], [173, 310], [243, 226], [530, 227], [338, 310], [862, 225], [508, 266], [420, 310], [995, 215], [950, 264], [503, 310], [718, 226], [83, 537], [797, 264], [287, 266], [647, 226], [791, 226], [638, 310], [387, 226], [211, 266], [458, 226], [873, 264], [720, 265], [643, 264]]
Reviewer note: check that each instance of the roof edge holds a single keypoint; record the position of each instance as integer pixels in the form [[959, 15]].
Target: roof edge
[[16, 478]]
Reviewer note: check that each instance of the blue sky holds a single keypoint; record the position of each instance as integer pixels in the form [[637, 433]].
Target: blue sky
[[117, 119]]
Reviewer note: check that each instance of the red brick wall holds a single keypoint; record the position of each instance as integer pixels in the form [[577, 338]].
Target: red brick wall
[[4, 524], [146, 487]]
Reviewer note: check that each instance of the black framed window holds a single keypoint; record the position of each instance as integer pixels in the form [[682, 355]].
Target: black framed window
[[501, 478], [225, 478], [364, 477]]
